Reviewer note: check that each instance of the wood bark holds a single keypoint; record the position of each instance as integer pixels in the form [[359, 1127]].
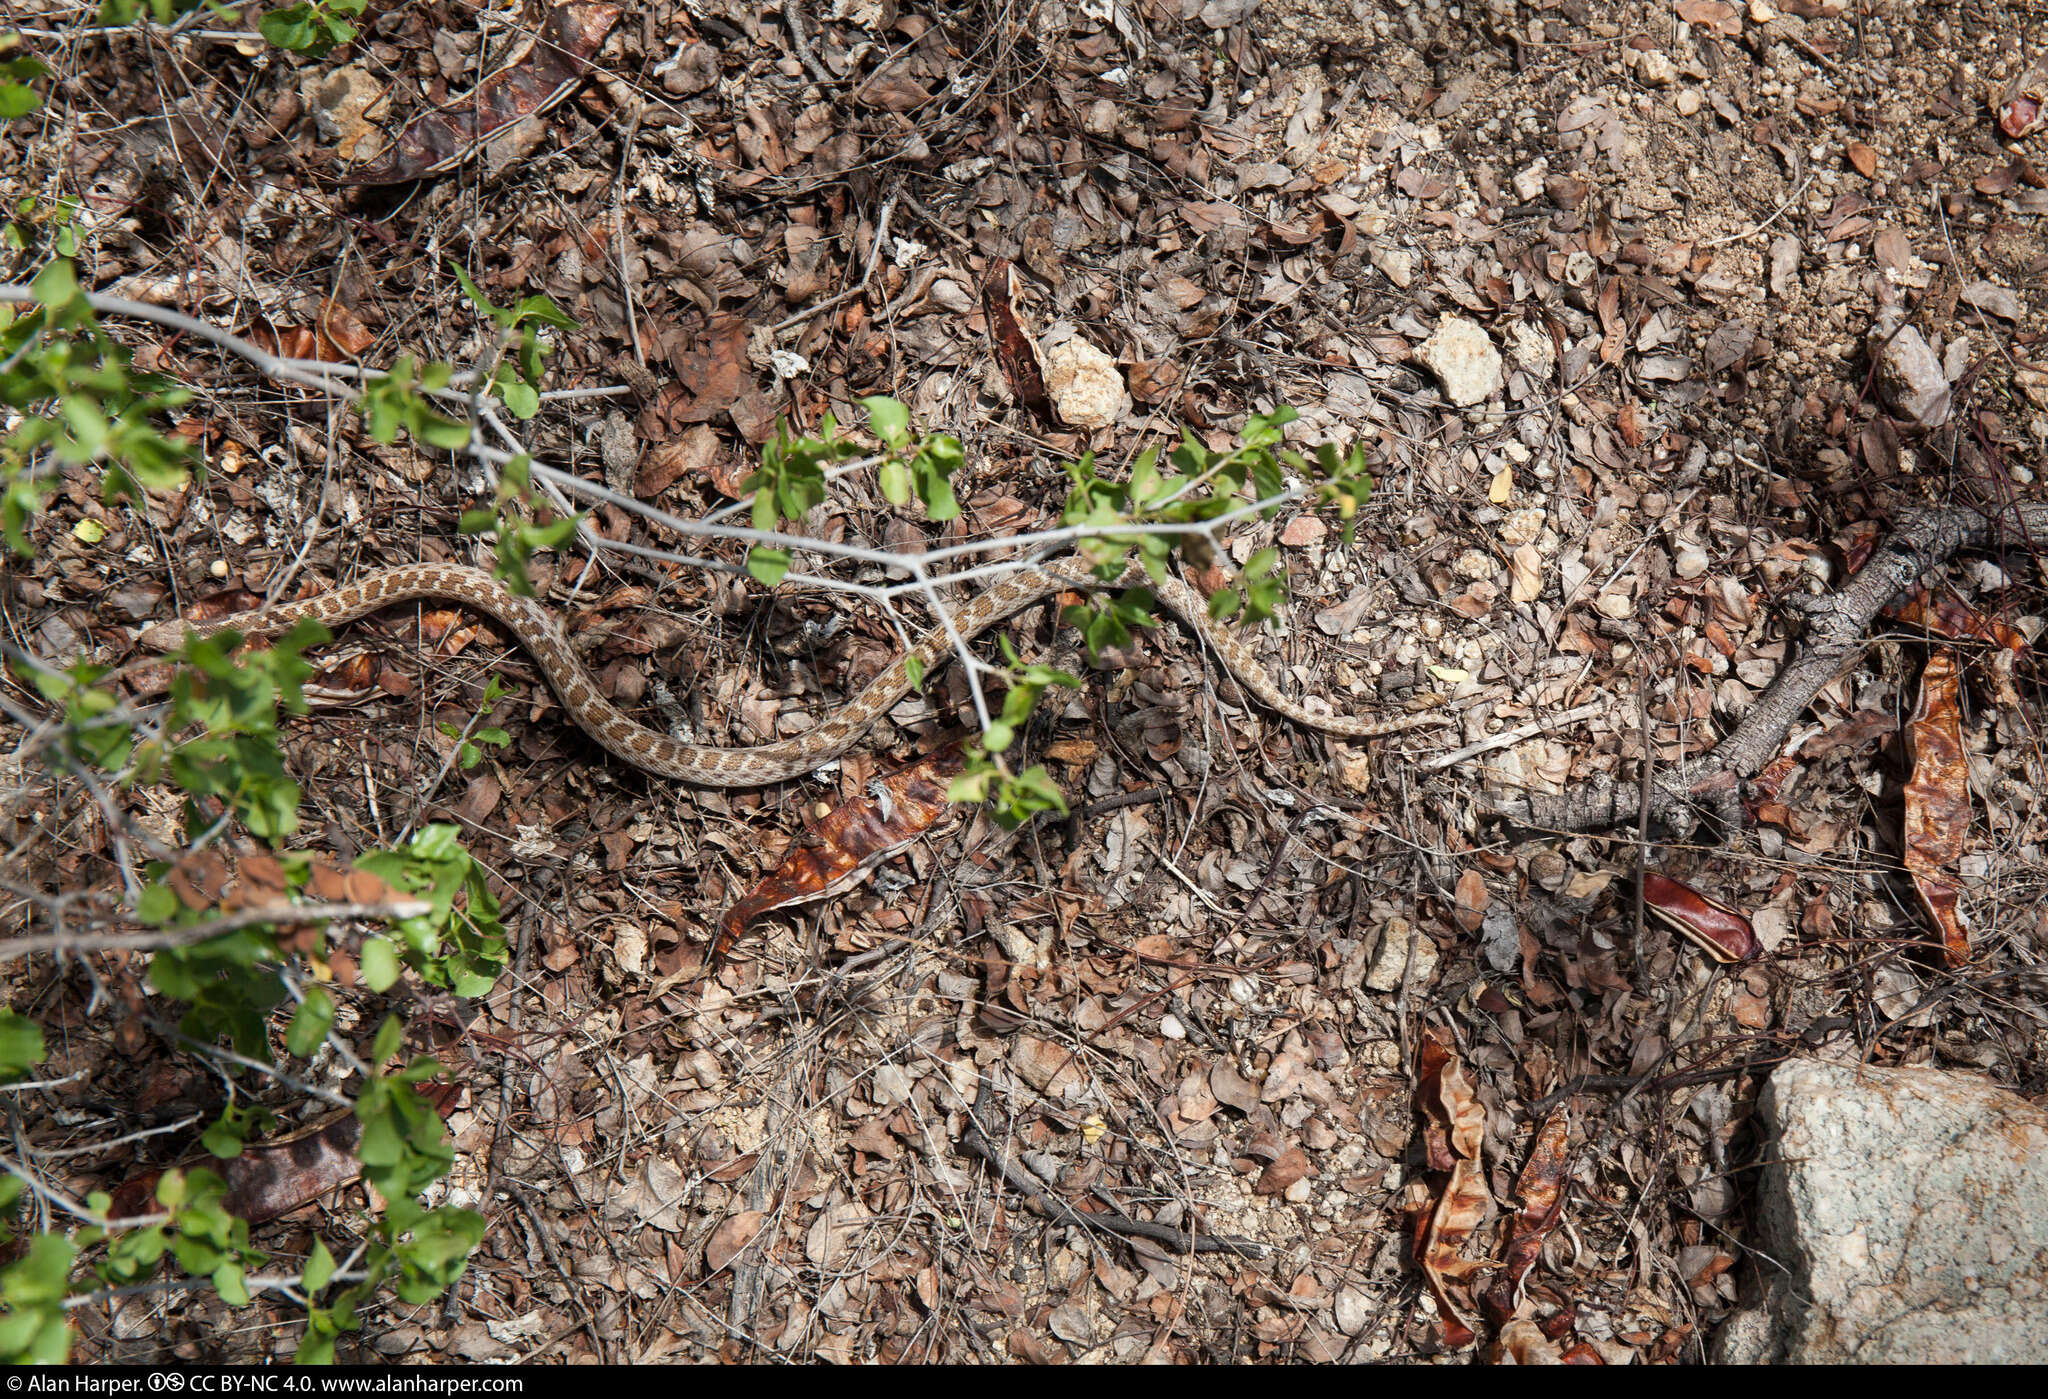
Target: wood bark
[[1709, 784]]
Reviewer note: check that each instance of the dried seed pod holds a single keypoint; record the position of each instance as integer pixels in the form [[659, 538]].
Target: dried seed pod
[[1723, 932]]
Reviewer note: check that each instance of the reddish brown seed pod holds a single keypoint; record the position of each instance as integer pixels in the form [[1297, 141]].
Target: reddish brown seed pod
[[1724, 933]]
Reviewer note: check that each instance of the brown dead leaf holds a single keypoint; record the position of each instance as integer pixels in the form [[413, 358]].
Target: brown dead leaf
[[1937, 799], [272, 1178], [1016, 349], [731, 1236], [1863, 159], [1944, 613], [1472, 901], [844, 845], [1287, 1168], [693, 456], [711, 374], [1710, 14], [1231, 1088], [1541, 1188], [1454, 1124], [570, 37]]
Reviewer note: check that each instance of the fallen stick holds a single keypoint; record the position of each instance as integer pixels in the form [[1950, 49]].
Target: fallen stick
[[1710, 783]]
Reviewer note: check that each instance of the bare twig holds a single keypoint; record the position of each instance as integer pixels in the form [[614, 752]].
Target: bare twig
[[1835, 627], [793, 16], [976, 1140], [212, 927]]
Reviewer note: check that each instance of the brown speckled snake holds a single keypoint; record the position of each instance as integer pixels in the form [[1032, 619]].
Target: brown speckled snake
[[700, 766]]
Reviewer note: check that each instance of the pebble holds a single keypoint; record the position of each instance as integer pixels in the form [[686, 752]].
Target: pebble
[[1999, 301], [1464, 361], [1909, 377], [1084, 385], [1392, 957], [1656, 69], [1688, 102], [1522, 526]]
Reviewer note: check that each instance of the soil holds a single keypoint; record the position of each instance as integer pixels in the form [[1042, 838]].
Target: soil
[[1199, 999]]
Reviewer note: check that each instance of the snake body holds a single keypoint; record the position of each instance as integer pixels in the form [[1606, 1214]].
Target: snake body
[[541, 635]]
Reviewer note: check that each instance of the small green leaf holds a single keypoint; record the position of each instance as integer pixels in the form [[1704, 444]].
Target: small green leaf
[[21, 1045], [894, 480], [309, 1027], [888, 419], [767, 565], [234, 1288], [319, 1267], [390, 1035], [380, 964]]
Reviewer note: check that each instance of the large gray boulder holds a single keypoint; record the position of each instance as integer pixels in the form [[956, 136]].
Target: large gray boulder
[[1903, 1219]]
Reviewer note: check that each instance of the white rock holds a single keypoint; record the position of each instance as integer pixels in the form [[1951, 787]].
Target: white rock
[[1911, 1208], [346, 105], [1534, 350], [1690, 561], [1529, 182], [1655, 68], [1522, 526], [1909, 377], [1464, 361], [1351, 1309], [1393, 955], [1474, 564], [1084, 385]]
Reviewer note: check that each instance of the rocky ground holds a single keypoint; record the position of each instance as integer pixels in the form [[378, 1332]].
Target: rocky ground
[[1651, 317]]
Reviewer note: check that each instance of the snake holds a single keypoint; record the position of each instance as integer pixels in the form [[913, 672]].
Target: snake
[[542, 636]]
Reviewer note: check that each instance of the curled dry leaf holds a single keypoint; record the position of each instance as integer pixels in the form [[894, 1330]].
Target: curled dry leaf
[[1541, 1188], [1016, 351], [336, 336], [1721, 930], [848, 842], [1711, 14], [2023, 104], [270, 1179], [732, 1235], [1942, 612], [1937, 799], [569, 38], [1454, 1123]]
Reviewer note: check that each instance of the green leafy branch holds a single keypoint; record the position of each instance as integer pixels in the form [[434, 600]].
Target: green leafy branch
[[517, 385]]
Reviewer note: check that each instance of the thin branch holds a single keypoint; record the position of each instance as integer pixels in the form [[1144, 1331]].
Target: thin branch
[[974, 1139], [1836, 624], [389, 911]]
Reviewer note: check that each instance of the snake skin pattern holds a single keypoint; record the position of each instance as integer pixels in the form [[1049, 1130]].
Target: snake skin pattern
[[700, 766]]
